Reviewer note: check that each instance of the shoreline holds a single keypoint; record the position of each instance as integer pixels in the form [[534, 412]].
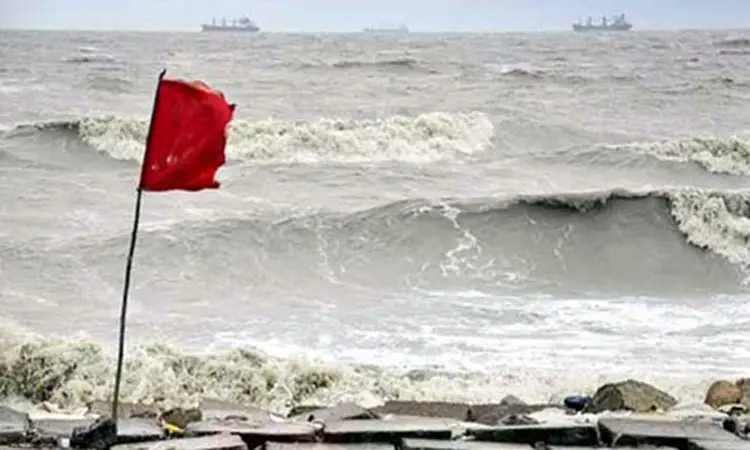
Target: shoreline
[[619, 412]]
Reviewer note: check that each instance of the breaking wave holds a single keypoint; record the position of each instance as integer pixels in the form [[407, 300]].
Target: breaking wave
[[686, 241], [424, 138]]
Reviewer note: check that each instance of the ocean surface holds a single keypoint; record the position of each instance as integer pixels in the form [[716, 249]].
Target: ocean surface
[[427, 216]]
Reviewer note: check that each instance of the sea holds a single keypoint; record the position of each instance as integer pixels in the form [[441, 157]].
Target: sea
[[446, 216]]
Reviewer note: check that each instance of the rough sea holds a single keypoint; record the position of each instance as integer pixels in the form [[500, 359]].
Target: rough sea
[[426, 216]]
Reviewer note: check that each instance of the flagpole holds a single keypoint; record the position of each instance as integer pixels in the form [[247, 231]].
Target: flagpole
[[129, 267]]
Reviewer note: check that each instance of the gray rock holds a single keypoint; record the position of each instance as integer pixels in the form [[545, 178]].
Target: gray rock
[[511, 400], [215, 442], [180, 417], [14, 426], [629, 395]]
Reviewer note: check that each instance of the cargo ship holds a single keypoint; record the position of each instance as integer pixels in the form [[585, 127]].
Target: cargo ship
[[616, 23], [400, 29], [242, 25]]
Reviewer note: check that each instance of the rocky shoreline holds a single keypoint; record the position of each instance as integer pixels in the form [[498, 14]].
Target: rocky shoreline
[[626, 414]]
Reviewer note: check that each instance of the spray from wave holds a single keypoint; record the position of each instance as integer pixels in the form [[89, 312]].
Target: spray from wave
[[424, 138]]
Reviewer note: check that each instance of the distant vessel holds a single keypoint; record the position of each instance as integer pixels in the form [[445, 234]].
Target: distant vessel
[[618, 23], [400, 29], [241, 25]]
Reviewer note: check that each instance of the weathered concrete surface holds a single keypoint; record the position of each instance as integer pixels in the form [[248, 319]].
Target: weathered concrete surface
[[14, 426], [668, 433], [555, 434], [256, 435], [219, 410], [434, 444], [489, 414], [392, 431], [344, 411], [703, 444], [138, 430], [103, 433], [56, 428], [326, 446], [124, 410], [215, 442]]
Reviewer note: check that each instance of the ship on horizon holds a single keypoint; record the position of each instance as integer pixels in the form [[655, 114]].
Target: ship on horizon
[[242, 25], [400, 29], [617, 23]]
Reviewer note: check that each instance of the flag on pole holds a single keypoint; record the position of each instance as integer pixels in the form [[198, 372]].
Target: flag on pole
[[187, 138], [184, 150]]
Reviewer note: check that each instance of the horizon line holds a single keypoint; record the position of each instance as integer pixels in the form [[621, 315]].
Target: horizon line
[[360, 31]]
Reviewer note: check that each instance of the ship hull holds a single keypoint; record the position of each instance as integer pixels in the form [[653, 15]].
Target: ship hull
[[594, 28], [228, 29]]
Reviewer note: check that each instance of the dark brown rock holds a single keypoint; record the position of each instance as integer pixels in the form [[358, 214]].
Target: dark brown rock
[[744, 385], [182, 417], [630, 395], [722, 393]]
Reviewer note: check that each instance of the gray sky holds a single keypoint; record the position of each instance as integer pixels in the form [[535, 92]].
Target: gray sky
[[344, 15]]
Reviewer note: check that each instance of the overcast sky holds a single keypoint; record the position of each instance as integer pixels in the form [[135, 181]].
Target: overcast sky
[[343, 15]]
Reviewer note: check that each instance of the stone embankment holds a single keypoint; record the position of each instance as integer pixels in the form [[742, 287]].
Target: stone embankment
[[628, 414]]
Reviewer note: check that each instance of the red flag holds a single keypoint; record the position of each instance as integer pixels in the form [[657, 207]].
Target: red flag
[[187, 138]]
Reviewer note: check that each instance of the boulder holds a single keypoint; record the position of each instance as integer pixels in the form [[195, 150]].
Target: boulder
[[744, 385], [180, 417], [722, 393], [629, 395]]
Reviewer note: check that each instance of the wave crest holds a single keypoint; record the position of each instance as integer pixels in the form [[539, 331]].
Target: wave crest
[[424, 138]]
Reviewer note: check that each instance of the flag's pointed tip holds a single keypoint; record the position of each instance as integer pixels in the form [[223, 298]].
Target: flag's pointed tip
[[232, 106], [162, 73]]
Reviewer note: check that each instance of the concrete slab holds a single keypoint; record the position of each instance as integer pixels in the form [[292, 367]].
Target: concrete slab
[[257, 435], [138, 430], [488, 414], [220, 410], [325, 446], [705, 444], [386, 431], [554, 434], [669, 433], [344, 411], [57, 428], [14, 426], [124, 410], [435, 444], [216, 442]]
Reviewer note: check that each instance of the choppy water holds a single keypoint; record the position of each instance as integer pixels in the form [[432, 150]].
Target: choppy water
[[428, 216]]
